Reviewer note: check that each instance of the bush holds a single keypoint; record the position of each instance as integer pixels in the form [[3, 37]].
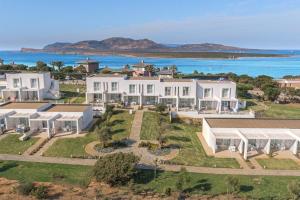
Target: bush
[[160, 108], [25, 188], [40, 192], [168, 191], [115, 169], [148, 145]]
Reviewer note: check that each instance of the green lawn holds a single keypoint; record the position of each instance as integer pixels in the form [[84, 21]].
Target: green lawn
[[149, 126], [251, 187], [45, 172], [67, 147], [184, 135], [12, 145], [291, 111], [271, 110], [70, 94], [273, 163]]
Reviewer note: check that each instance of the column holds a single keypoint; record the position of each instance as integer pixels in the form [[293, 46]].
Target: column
[[268, 147], [48, 129], [240, 148], [177, 103], [77, 124], [246, 150], [294, 148], [86, 98]]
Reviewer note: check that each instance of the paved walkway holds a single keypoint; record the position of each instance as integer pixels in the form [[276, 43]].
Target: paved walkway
[[34, 147], [46, 146], [136, 126], [205, 170]]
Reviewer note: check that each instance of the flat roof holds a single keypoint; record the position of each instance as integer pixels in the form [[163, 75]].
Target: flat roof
[[253, 123], [176, 80], [22, 105], [109, 75], [67, 108], [144, 78], [215, 81]]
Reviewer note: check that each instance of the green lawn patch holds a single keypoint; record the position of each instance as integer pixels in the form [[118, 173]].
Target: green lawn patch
[[185, 136], [251, 187], [45, 172], [75, 147], [150, 126], [285, 111], [70, 94], [273, 163], [12, 145]]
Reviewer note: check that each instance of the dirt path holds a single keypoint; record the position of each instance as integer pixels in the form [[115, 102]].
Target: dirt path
[[36, 145]]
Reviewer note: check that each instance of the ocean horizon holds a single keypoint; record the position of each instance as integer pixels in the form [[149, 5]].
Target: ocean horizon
[[276, 67]]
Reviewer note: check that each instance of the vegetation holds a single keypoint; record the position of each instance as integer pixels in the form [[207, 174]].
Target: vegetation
[[120, 124], [183, 179], [183, 136], [273, 163], [115, 169], [294, 189], [28, 188], [45, 172], [70, 93], [160, 107], [251, 187], [19, 147], [233, 184]]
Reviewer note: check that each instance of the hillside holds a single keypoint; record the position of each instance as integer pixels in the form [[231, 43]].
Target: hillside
[[145, 47]]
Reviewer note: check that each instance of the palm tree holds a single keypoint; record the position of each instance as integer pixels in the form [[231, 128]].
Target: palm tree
[[150, 69], [58, 64]]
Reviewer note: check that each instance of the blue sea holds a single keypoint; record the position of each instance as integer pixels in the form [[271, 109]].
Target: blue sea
[[275, 67]]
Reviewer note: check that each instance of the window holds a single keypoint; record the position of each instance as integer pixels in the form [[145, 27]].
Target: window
[[131, 89], [225, 93], [97, 86], [16, 83], [149, 89], [207, 92], [185, 91], [114, 86], [33, 83], [167, 91]]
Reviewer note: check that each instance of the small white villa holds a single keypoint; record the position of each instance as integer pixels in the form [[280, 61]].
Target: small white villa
[[45, 117], [30, 86], [251, 136], [203, 96]]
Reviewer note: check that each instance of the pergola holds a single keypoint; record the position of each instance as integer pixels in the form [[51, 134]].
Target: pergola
[[257, 139], [68, 123], [42, 121]]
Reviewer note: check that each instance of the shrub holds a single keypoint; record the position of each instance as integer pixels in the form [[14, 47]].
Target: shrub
[[294, 189], [148, 145], [25, 188], [40, 192], [168, 191], [233, 184], [160, 107], [115, 169]]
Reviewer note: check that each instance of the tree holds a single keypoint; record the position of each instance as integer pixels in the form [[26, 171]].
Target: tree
[[294, 189], [80, 69], [160, 108], [67, 69], [104, 134], [57, 65], [195, 72], [150, 69], [271, 93], [115, 169], [106, 70], [21, 67], [233, 184], [182, 180], [6, 67], [41, 66], [242, 90]]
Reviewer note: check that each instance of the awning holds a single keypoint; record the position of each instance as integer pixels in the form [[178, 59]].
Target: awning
[[68, 118], [22, 115]]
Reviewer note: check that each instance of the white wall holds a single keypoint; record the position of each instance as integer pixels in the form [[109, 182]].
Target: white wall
[[208, 135]]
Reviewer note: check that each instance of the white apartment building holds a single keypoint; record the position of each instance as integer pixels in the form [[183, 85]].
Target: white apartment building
[[187, 94], [29, 86], [250, 137], [45, 117]]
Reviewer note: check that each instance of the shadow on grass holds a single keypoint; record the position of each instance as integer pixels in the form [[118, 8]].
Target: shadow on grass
[[145, 176], [202, 185], [179, 138], [6, 166], [117, 121], [246, 188], [120, 130], [115, 112], [176, 128]]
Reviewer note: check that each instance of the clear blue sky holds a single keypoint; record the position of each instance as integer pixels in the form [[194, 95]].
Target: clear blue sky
[[245, 23]]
